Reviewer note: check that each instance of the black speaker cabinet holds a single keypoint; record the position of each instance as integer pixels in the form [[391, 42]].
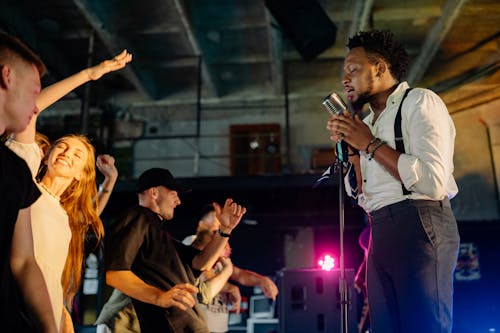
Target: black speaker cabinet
[[309, 301], [306, 24]]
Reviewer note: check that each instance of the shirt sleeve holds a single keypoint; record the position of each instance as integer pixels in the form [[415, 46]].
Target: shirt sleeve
[[29, 152], [427, 166], [187, 254], [31, 191], [124, 241], [204, 295]]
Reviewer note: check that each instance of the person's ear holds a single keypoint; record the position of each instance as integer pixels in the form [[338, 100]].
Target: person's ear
[[381, 68], [5, 76], [153, 192]]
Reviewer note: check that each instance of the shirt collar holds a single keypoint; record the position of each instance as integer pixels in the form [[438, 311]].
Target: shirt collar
[[395, 97]]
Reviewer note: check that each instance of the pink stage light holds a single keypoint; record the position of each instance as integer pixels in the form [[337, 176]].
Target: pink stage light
[[327, 262]]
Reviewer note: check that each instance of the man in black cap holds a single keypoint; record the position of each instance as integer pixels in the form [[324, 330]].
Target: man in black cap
[[144, 262]]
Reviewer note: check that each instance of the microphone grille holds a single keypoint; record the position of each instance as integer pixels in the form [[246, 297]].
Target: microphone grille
[[334, 103]]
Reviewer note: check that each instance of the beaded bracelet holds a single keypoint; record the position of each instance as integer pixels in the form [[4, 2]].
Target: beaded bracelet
[[372, 154], [372, 141]]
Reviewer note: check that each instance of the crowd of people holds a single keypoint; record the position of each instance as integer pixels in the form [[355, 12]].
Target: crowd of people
[[402, 153]]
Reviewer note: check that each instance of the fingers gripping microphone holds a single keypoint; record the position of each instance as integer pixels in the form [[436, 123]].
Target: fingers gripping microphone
[[334, 104]]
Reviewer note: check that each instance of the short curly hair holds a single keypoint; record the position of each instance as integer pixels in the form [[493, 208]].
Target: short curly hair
[[383, 44]]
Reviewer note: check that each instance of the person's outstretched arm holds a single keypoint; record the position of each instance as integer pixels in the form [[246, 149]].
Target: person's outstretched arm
[[56, 91], [251, 279], [28, 275]]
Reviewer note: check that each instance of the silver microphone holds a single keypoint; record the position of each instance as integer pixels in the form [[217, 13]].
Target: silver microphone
[[334, 104]]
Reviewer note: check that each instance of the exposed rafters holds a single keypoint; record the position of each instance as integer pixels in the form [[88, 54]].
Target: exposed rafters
[[434, 39], [361, 16], [205, 72], [111, 42], [20, 25], [275, 41], [243, 53]]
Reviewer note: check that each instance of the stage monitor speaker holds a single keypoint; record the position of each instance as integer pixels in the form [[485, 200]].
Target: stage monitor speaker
[[309, 301], [306, 24]]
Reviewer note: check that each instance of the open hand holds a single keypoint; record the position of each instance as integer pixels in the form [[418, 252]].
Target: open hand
[[230, 215], [110, 65]]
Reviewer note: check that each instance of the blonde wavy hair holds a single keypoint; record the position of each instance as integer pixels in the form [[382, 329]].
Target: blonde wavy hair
[[80, 203]]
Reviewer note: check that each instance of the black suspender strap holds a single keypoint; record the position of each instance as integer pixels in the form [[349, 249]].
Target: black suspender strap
[[398, 134]]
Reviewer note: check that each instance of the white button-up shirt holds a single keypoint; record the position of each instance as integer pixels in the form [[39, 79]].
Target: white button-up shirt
[[426, 167]]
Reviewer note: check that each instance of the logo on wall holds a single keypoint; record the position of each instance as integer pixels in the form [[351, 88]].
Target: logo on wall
[[468, 263]]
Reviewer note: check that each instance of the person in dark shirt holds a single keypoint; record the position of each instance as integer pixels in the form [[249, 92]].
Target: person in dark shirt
[[24, 298], [158, 272]]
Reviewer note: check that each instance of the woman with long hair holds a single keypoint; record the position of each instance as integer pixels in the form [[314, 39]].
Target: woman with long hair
[[67, 208]]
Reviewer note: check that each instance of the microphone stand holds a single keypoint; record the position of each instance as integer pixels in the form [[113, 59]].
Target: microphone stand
[[344, 301], [338, 167]]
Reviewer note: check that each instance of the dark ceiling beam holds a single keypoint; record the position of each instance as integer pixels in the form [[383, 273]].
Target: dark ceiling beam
[[360, 20], [205, 71], [15, 22], [432, 43], [275, 45], [112, 44], [361, 16]]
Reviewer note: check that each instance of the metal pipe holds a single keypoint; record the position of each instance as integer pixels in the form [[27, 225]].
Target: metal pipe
[[85, 110]]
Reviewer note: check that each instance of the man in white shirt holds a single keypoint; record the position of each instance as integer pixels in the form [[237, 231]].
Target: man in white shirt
[[403, 157]]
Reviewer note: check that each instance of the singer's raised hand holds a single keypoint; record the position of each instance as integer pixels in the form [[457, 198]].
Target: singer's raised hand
[[334, 125], [354, 131]]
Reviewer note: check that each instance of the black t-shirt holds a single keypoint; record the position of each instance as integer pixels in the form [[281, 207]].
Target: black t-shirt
[[18, 191], [140, 242]]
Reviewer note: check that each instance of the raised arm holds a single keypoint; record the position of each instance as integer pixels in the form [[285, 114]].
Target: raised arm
[[56, 91], [229, 216], [28, 275], [106, 165]]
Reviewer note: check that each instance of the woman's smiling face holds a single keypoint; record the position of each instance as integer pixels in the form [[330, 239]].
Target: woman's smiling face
[[67, 158]]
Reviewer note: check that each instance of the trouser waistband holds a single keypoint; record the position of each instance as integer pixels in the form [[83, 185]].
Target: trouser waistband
[[395, 208]]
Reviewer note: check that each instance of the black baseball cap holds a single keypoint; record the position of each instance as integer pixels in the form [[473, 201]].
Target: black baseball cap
[[159, 177]]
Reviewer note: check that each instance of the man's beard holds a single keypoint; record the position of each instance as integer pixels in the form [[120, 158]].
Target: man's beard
[[358, 104]]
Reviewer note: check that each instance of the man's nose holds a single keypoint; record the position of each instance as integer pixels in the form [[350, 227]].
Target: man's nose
[[345, 80]]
